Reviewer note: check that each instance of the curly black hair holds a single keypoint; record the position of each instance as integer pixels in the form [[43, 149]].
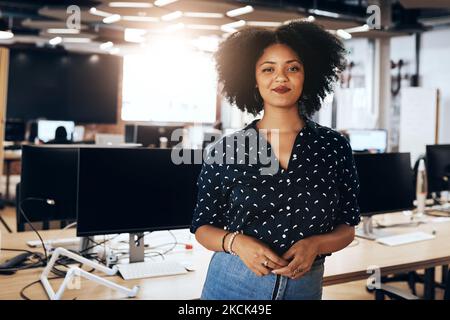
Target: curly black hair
[[321, 53]]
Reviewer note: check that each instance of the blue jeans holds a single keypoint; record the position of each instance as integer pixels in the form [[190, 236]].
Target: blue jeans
[[229, 278]]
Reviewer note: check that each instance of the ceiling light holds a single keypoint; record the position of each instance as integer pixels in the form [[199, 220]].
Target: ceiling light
[[106, 45], [112, 18], [62, 31], [203, 15], [140, 19], [343, 34], [324, 13], [5, 35], [130, 5], [160, 3], [99, 13], [76, 40], [172, 16], [134, 35], [269, 24], [54, 41], [240, 11], [174, 27], [363, 28], [231, 27], [203, 27]]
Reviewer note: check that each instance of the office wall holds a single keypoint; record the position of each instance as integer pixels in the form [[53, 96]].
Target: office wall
[[434, 68]]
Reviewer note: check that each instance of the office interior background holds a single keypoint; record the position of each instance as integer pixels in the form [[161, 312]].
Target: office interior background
[[120, 77]]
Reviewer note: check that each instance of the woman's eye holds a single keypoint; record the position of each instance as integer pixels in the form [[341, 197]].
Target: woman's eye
[[267, 70], [294, 69]]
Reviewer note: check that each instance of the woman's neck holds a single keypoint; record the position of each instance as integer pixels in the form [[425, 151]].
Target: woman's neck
[[284, 119]]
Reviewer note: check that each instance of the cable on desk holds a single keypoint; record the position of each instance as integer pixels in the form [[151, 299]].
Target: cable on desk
[[31, 225]]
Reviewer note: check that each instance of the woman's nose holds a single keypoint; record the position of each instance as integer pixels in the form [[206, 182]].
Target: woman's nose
[[280, 77]]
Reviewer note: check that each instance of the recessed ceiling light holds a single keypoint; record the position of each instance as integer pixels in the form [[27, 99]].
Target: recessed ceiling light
[[264, 24]]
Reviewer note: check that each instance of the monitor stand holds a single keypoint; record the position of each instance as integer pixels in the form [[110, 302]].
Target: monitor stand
[[137, 248], [369, 232]]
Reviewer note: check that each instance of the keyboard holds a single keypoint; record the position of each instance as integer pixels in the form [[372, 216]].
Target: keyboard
[[405, 238], [64, 242], [148, 269]]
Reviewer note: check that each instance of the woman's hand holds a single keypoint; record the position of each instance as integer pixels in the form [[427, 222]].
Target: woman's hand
[[257, 256], [301, 256]]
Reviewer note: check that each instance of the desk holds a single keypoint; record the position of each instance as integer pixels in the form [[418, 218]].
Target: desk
[[347, 265]]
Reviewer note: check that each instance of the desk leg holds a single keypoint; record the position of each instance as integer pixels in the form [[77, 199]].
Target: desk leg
[[8, 173], [429, 284]]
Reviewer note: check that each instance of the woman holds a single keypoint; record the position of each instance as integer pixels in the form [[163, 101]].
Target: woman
[[271, 232]]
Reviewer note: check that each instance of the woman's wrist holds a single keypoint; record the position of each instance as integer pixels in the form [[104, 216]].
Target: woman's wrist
[[315, 242]]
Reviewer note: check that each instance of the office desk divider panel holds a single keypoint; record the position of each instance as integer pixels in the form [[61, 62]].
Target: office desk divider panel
[[123, 190]]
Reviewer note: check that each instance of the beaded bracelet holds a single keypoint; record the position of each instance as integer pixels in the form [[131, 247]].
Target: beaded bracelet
[[230, 243], [223, 241]]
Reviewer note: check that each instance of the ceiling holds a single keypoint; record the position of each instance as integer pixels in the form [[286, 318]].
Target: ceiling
[[31, 20]]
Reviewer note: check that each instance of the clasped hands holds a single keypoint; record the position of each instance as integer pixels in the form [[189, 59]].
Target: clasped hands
[[262, 260]]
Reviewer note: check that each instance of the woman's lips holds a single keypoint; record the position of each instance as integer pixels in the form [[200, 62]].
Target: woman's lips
[[281, 89]]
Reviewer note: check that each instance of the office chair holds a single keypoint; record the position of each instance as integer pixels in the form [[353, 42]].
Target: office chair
[[398, 294]]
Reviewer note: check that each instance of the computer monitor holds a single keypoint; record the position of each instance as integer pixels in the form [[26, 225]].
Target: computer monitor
[[364, 140], [149, 135], [129, 190], [438, 167], [48, 172], [47, 129], [386, 185], [15, 130]]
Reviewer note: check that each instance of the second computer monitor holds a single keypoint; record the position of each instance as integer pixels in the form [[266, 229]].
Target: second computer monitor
[[364, 140], [150, 135], [47, 128], [386, 182], [438, 167], [134, 190], [48, 172]]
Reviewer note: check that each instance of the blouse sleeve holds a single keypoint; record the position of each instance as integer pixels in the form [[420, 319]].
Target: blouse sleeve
[[211, 204], [348, 188]]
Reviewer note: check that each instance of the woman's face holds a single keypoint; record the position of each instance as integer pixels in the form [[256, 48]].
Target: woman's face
[[279, 76]]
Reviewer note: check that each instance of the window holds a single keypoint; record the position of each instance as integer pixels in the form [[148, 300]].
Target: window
[[169, 83]]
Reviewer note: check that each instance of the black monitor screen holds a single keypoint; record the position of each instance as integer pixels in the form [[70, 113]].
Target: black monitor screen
[[134, 190], [61, 85], [386, 182], [15, 130], [438, 167], [149, 136], [49, 172]]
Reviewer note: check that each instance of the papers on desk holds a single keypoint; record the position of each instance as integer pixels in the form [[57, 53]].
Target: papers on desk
[[405, 238]]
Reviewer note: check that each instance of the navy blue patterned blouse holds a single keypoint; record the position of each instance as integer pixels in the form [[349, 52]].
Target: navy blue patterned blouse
[[317, 192]]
